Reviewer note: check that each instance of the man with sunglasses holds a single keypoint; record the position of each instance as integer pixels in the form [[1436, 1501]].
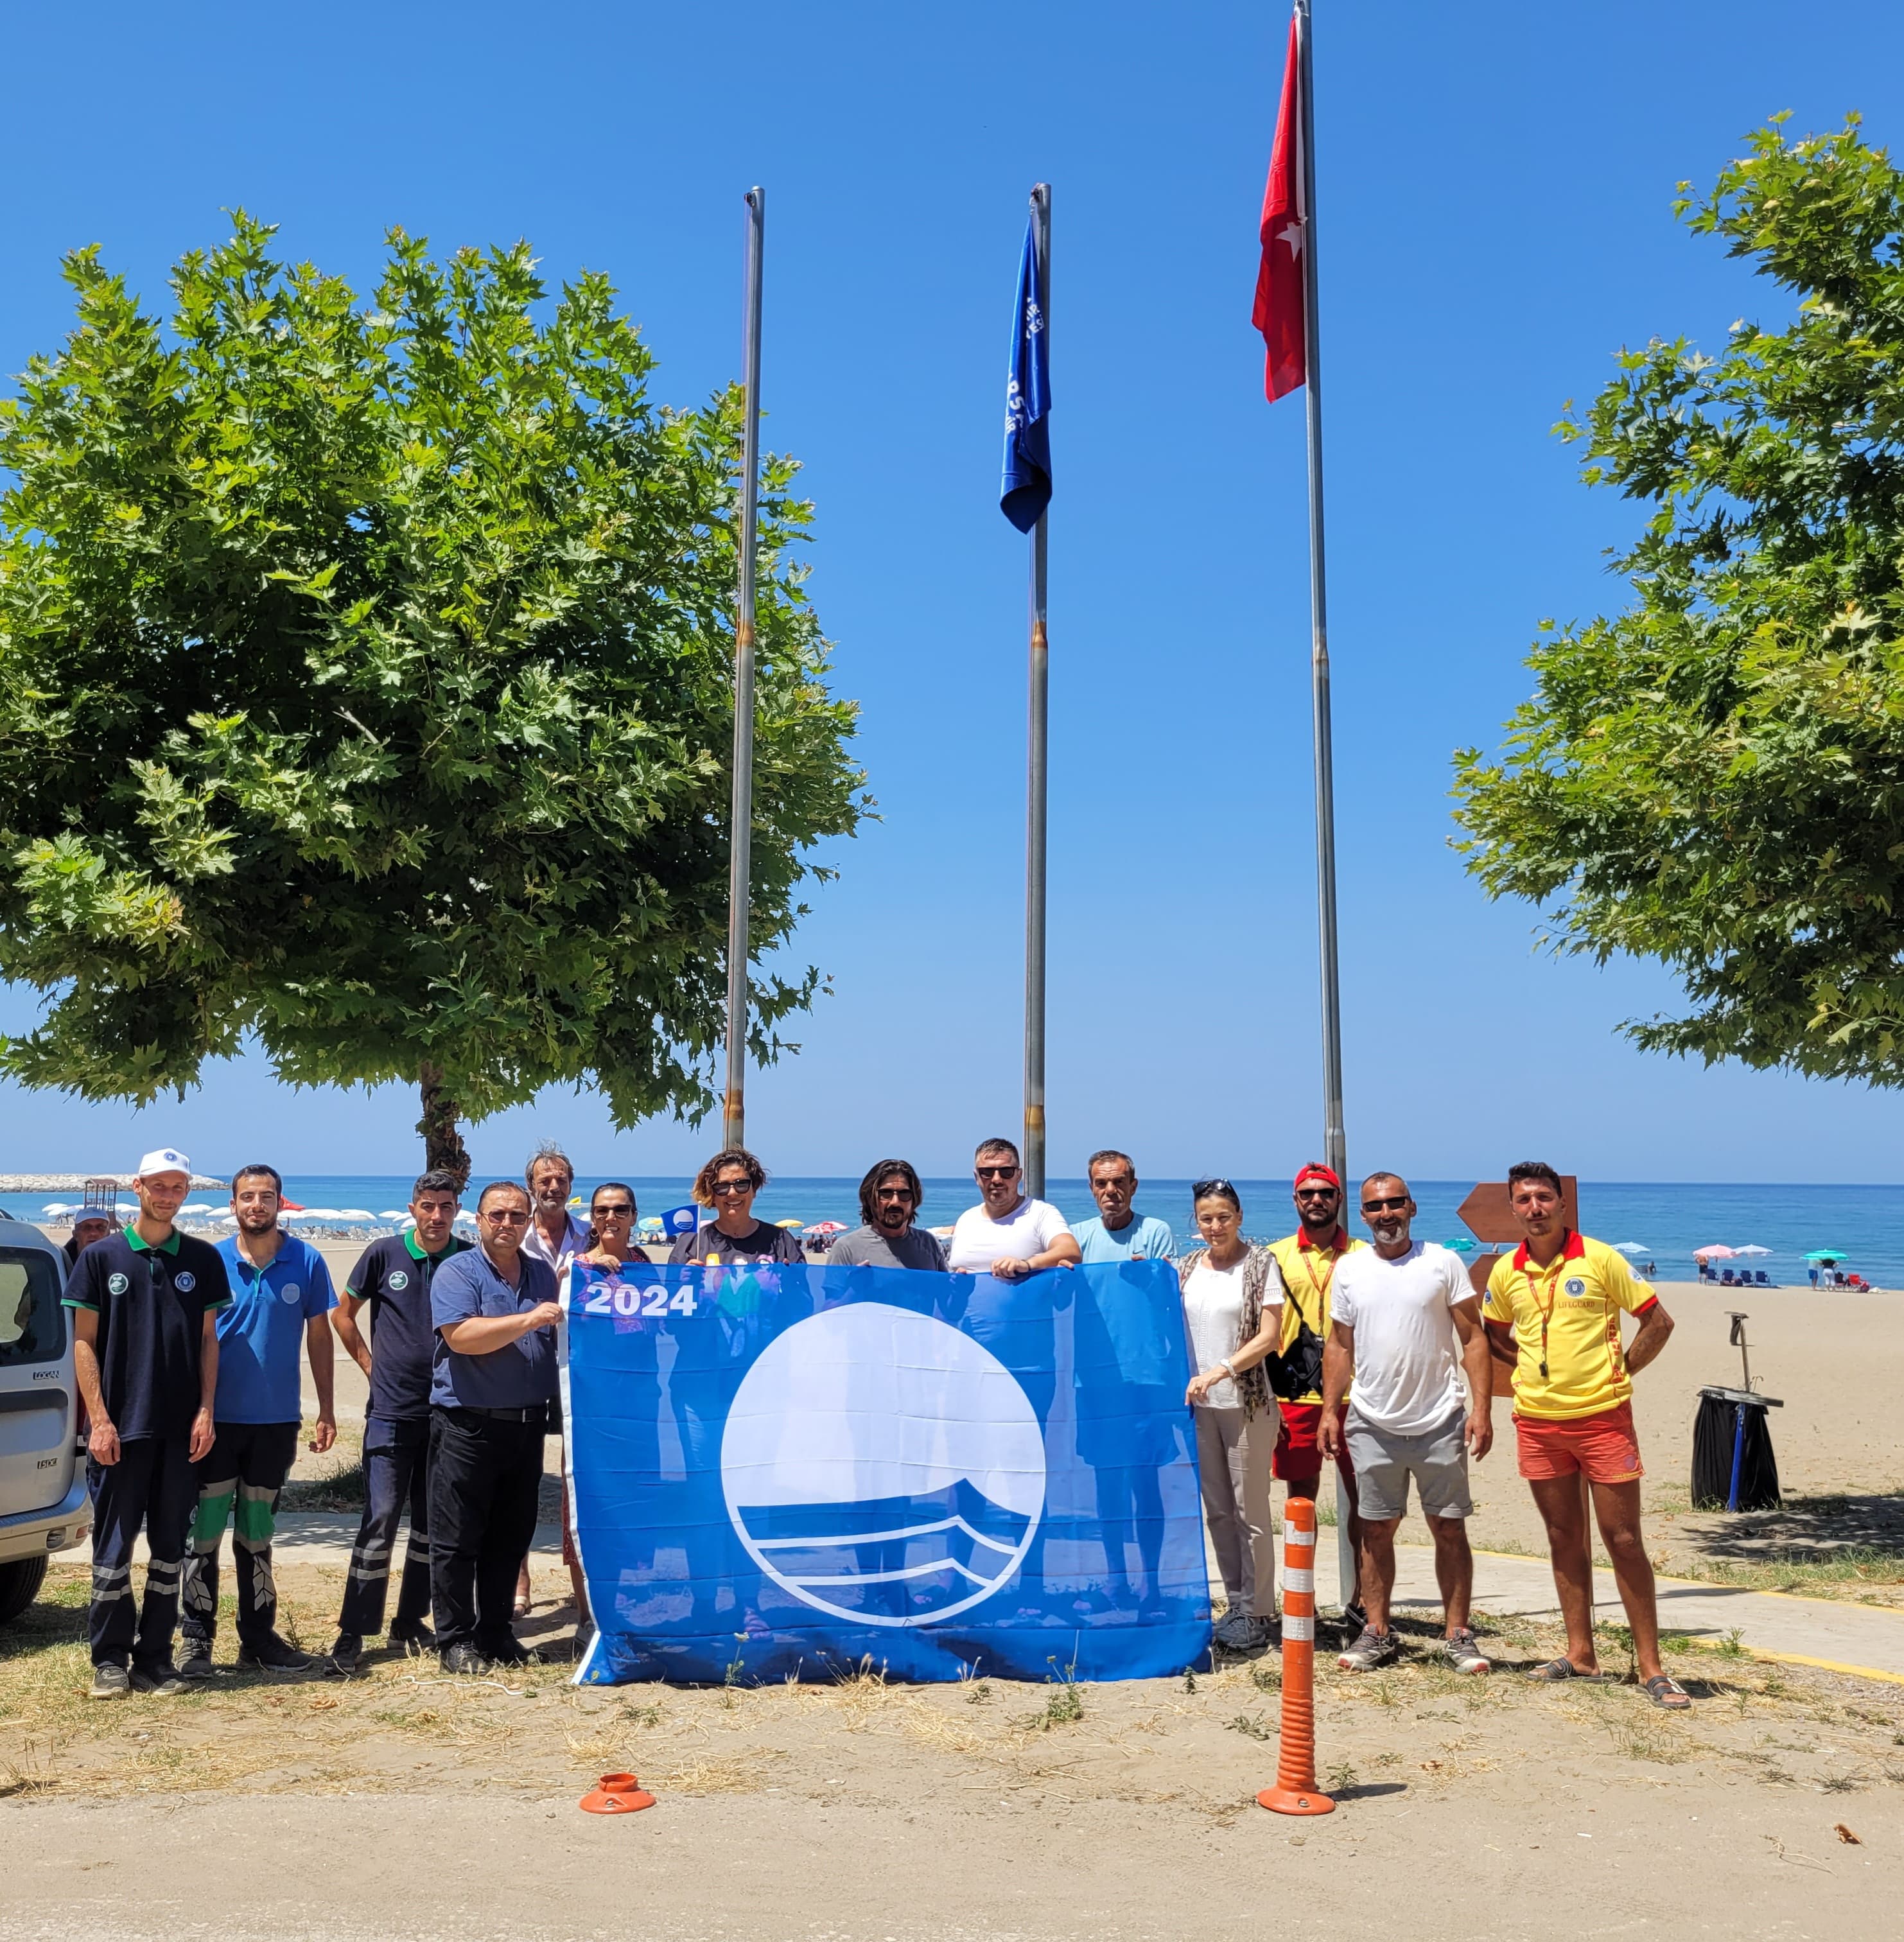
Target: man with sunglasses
[[728, 1183], [1408, 1324], [888, 1204], [1008, 1234], [492, 1396], [1309, 1259]]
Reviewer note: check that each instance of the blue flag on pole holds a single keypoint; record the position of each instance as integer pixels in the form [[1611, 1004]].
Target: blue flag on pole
[[793, 1467], [1026, 489]]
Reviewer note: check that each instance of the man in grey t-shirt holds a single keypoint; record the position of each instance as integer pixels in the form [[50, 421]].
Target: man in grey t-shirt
[[889, 1202]]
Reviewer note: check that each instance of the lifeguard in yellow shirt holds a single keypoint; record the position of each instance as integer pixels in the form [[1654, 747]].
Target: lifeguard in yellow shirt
[[1554, 1314]]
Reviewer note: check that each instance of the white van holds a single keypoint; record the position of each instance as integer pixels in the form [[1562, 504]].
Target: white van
[[44, 1505]]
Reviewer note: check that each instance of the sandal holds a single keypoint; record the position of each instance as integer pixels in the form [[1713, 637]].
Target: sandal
[[1668, 1693], [1555, 1670]]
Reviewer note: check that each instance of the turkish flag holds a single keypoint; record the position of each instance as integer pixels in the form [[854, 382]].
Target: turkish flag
[[1279, 307]]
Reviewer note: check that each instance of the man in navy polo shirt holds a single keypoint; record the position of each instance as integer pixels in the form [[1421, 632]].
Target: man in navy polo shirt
[[491, 1395], [145, 1304], [280, 1296], [394, 1278]]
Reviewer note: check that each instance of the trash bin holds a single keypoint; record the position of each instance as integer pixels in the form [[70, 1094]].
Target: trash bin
[[1733, 1466]]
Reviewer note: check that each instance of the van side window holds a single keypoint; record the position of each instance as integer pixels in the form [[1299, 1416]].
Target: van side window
[[32, 1324]]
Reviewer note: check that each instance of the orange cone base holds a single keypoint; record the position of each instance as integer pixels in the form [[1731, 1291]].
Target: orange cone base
[[1283, 1800], [596, 1801]]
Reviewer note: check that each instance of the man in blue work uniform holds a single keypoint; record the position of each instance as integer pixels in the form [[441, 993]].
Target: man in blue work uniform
[[492, 1397], [393, 1278], [145, 1303], [281, 1300]]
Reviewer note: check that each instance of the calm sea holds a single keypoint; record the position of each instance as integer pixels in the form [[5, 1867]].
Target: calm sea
[[1670, 1221]]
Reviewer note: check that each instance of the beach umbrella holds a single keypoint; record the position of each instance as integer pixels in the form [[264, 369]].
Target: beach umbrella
[[828, 1227], [1714, 1253], [393, 1214], [1825, 1254], [1752, 1250], [1632, 1247], [59, 1207], [790, 1223], [356, 1213], [650, 1223], [1461, 1244]]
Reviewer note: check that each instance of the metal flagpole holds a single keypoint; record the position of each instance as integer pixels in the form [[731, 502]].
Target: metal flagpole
[[1036, 778], [734, 1111], [1334, 1139]]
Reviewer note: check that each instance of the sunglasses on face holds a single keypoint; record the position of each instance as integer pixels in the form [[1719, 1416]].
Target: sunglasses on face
[[1316, 1192], [894, 1193], [621, 1210], [725, 1186], [1398, 1201], [510, 1217], [994, 1172]]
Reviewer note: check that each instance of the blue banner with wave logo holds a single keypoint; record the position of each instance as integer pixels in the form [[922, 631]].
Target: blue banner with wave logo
[[780, 1469]]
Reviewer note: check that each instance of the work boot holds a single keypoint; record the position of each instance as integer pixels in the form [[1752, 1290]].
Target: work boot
[[415, 1639], [347, 1655], [197, 1663], [465, 1658], [273, 1655]]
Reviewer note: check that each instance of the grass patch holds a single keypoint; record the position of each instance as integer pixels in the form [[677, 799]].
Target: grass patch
[[1851, 1567]]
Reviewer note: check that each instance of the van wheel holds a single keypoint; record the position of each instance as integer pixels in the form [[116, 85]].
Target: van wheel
[[19, 1585]]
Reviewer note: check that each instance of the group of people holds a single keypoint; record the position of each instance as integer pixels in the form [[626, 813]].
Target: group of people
[[1378, 1356]]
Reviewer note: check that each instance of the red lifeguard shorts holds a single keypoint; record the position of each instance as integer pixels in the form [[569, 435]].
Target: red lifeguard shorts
[[1603, 1448]]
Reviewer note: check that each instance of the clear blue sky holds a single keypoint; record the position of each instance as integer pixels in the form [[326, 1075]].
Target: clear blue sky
[[1495, 184]]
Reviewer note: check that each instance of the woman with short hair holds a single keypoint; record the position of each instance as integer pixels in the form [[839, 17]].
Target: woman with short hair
[[1232, 1298], [728, 1183]]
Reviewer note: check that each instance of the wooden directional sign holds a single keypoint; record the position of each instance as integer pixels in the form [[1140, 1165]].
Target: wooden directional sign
[[1488, 1216]]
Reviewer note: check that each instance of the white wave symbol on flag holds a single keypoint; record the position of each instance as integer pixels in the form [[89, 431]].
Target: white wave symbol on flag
[[882, 1467]]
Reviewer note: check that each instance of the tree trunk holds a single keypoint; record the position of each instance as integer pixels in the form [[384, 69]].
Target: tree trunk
[[443, 1143]]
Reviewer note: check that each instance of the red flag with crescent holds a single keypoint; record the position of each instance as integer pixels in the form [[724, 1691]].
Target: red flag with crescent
[[1279, 305]]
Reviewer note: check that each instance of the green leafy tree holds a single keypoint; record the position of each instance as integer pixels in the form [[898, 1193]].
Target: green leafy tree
[[1715, 776], [366, 687]]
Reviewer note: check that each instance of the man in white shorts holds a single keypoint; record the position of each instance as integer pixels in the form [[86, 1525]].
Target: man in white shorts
[[1405, 1324]]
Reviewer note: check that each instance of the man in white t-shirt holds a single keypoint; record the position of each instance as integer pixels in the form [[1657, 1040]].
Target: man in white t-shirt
[[1406, 1323], [1008, 1234]]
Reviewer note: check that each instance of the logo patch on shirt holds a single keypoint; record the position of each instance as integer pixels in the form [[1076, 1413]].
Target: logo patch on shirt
[[1575, 1285], [290, 1293], [399, 1279], [116, 1283], [185, 1283]]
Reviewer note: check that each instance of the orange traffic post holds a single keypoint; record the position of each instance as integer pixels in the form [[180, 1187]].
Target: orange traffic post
[[619, 1794], [1296, 1791]]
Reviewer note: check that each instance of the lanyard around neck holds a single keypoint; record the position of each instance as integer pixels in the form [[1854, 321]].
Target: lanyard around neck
[[1532, 1271]]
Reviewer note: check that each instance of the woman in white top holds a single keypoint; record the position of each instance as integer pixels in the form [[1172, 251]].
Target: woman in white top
[[1232, 1300]]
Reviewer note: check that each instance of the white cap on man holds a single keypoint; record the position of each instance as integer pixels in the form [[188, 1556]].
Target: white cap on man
[[163, 1159]]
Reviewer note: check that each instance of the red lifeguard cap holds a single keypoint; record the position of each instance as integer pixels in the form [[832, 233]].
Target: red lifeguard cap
[[1316, 1170]]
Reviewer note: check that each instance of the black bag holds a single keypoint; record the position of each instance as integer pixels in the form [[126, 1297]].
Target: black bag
[[1297, 1371]]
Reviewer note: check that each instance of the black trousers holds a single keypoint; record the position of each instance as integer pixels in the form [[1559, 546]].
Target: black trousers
[[152, 1486], [486, 1473], [239, 1478], [396, 1471]]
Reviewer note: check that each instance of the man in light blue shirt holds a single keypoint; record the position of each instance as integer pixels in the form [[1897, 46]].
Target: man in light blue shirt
[[1120, 1234], [281, 1300]]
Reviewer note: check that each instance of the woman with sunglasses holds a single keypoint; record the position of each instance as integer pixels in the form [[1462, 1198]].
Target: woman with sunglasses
[[1232, 1318], [728, 1183]]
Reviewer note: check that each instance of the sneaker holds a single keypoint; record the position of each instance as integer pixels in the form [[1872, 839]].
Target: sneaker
[[110, 1682], [465, 1658], [274, 1655], [197, 1663], [1240, 1633], [515, 1653], [1464, 1652], [162, 1679], [1371, 1649], [347, 1655], [1354, 1622], [415, 1639]]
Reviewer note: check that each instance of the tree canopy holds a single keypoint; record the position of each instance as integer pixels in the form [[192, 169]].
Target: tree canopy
[[1715, 776], [367, 686]]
